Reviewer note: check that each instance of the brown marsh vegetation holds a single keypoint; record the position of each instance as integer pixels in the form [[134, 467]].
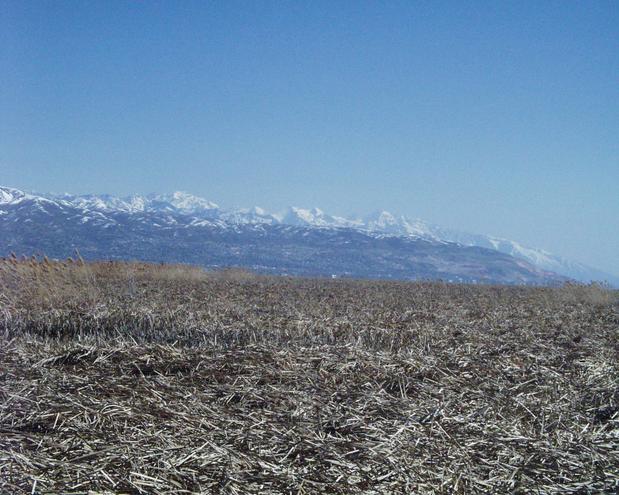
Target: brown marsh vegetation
[[135, 378]]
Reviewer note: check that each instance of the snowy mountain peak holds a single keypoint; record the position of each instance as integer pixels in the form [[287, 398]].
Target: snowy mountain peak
[[11, 196], [383, 221], [301, 216], [315, 217], [8, 195], [186, 202], [175, 202], [104, 202]]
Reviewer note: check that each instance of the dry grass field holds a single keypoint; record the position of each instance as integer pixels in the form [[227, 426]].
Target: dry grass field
[[132, 378]]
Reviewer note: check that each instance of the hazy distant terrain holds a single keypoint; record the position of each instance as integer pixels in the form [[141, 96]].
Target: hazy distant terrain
[[134, 378], [182, 228]]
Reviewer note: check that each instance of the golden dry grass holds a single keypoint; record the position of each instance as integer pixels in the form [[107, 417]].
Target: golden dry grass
[[135, 378]]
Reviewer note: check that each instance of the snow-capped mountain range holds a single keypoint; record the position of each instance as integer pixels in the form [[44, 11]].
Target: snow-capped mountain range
[[105, 213]]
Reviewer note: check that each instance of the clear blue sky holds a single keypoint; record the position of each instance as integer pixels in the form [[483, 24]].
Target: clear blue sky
[[491, 117]]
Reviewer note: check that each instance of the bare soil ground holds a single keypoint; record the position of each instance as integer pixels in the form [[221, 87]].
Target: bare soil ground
[[130, 378]]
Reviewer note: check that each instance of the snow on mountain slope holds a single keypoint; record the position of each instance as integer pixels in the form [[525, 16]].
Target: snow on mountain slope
[[184, 202], [255, 215], [538, 257], [104, 202], [8, 195], [316, 218], [178, 201], [385, 222], [99, 209]]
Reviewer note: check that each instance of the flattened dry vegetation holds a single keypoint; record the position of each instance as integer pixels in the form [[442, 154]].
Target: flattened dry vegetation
[[130, 378]]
